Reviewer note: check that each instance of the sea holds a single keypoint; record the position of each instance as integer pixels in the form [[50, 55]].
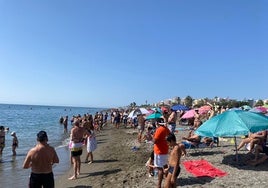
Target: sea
[[27, 121]]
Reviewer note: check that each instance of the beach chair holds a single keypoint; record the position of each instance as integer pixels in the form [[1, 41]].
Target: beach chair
[[198, 147]]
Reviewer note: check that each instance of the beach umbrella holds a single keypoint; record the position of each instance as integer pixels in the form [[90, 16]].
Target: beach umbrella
[[157, 109], [233, 123], [141, 111], [259, 109], [204, 109], [234, 108], [246, 107], [179, 107], [155, 115], [138, 111], [188, 114], [151, 111]]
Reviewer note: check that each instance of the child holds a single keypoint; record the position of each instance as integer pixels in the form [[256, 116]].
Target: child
[[150, 164], [15, 143], [148, 137], [173, 169]]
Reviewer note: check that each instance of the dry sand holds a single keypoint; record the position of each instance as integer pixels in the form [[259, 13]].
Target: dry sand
[[116, 165]]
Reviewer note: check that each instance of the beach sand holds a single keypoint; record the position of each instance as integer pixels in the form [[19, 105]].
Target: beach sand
[[117, 165]]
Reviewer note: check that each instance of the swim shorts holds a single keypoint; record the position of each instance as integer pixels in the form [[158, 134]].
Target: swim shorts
[[39, 180], [171, 169], [160, 160]]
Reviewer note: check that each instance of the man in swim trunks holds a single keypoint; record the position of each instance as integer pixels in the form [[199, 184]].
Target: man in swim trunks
[[40, 159], [173, 169]]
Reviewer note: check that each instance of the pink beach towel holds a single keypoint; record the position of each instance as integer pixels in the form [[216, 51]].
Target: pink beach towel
[[203, 168]]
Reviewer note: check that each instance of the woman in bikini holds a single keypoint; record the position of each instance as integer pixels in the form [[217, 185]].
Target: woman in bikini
[[197, 121]]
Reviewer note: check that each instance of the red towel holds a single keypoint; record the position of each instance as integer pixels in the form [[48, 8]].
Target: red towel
[[201, 168]]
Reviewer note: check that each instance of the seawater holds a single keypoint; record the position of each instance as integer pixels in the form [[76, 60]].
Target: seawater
[[27, 121]]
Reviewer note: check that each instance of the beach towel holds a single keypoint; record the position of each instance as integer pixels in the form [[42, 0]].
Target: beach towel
[[201, 168]]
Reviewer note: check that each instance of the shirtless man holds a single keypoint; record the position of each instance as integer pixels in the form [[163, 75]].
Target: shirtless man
[[76, 144], [172, 121], [40, 159], [173, 169], [141, 126]]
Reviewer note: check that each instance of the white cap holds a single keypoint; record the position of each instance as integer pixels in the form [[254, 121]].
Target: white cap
[[13, 133]]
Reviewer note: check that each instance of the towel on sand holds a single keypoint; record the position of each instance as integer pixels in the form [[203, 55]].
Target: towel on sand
[[203, 168]]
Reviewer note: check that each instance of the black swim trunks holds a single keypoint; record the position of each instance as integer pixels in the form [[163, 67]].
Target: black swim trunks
[[76, 153], [39, 180], [171, 169], [265, 150]]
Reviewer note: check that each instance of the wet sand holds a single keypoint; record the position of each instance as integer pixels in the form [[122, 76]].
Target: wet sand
[[117, 165]]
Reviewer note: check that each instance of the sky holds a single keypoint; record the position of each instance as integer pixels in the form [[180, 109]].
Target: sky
[[111, 53]]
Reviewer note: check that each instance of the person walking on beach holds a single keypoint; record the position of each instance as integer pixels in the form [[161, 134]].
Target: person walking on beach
[[40, 159], [76, 144], [2, 139], [173, 169], [15, 143], [91, 144], [160, 150]]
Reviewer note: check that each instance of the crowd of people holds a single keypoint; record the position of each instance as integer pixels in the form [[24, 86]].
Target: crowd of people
[[164, 157], [161, 132]]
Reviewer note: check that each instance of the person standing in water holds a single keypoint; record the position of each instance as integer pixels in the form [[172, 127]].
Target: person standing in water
[[40, 159], [2, 139], [65, 124], [15, 143]]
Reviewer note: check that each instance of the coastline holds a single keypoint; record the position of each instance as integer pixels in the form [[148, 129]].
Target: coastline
[[116, 165]]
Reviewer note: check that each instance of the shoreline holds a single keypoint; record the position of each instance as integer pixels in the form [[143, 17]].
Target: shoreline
[[116, 165]]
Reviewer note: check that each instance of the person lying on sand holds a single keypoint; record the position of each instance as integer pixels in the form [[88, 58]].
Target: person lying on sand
[[191, 140]]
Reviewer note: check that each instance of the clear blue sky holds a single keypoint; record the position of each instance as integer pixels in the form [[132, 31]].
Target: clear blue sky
[[113, 52]]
